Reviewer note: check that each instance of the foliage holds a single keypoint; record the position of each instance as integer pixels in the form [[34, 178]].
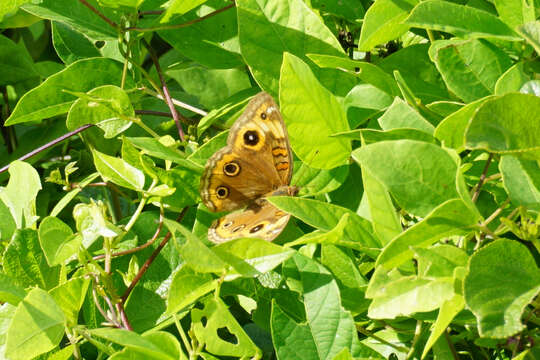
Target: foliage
[[416, 132]]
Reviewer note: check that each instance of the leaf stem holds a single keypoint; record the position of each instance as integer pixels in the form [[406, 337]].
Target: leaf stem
[[482, 178], [182, 334], [450, 345], [179, 26], [430, 35]]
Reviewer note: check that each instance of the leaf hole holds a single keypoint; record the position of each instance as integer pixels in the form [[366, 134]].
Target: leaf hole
[[225, 335]]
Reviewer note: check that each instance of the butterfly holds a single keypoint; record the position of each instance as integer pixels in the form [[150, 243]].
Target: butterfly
[[256, 162]]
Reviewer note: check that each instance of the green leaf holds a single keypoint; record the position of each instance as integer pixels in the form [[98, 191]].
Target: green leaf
[[531, 33], [107, 106], [10, 292], [71, 45], [363, 102], [503, 278], [211, 86], [187, 287], [37, 326], [515, 12], [427, 84], [48, 99], [384, 22], [212, 42], [463, 66], [385, 219], [90, 220], [70, 297], [56, 240], [452, 217], [451, 131], [184, 181], [261, 255], [420, 176], [78, 16], [9, 7], [324, 216], [349, 279], [133, 341], [16, 65], [20, 193], [285, 26], [401, 115], [350, 10], [311, 112], [521, 179], [459, 20], [118, 171], [409, 295], [206, 325], [507, 124], [166, 342], [180, 7], [318, 181], [25, 262], [291, 340], [7, 225], [321, 298], [447, 312], [368, 72], [60, 205], [512, 80]]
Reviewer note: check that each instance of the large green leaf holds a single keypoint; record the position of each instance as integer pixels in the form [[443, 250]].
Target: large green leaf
[[463, 66], [508, 124], [25, 262], [212, 42], [503, 278], [107, 106], [324, 216], [70, 297], [521, 179], [515, 12], [37, 326], [452, 217], [312, 113], [118, 171], [49, 99], [16, 65], [20, 193], [286, 26], [188, 286], [384, 22], [77, 16], [71, 45], [56, 239], [458, 20], [419, 175], [331, 328]]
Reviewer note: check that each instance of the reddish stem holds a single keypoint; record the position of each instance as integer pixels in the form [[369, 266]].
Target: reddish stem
[[98, 13]]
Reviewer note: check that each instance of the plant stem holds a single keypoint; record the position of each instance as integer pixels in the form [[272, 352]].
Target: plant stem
[[177, 102], [178, 26], [149, 261], [382, 341], [417, 333], [482, 178], [139, 209], [451, 345], [143, 246], [49, 144], [165, 89], [98, 13], [145, 127], [495, 213], [182, 334]]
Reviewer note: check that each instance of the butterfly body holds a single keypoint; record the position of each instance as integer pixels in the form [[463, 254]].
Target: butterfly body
[[256, 163]]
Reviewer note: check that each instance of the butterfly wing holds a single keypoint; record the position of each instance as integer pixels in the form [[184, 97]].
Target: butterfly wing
[[256, 161], [260, 220]]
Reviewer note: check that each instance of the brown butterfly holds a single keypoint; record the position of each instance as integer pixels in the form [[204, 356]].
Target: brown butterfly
[[257, 162]]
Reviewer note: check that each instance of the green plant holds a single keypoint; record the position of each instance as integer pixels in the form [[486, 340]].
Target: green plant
[[416, 132]]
